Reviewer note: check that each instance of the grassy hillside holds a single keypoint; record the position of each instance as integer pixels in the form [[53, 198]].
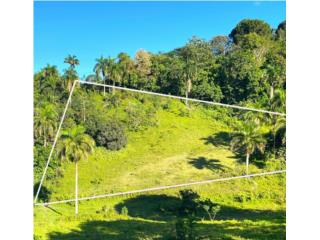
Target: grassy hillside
[[181, 147]]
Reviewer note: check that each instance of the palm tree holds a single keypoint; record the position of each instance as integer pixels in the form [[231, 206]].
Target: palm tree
[[72, 60], [45, 122], [126, 66], [75, 146], [70, 73], [277, 103], [247, 139], [69, 76], [48, 82], [114, 72], [101, 67]]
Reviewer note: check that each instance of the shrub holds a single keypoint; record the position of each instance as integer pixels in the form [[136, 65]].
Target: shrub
[[124, 211], [190, 210], [41, 154], [140, 116], [111, 135]]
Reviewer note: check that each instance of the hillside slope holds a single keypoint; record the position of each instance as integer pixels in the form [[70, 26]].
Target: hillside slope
[[177, 149]]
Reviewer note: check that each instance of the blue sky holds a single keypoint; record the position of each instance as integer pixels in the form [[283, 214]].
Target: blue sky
[[92, 29]]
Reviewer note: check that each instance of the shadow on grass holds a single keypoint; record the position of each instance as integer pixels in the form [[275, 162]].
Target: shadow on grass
[[152, 207], [44, 194], [224, 138], [230, 213], [236, 230], [256, 159], [115, 230], [218, 139], [52, 209], [163, 208], [156, 215], [141, 229], [211, 164]]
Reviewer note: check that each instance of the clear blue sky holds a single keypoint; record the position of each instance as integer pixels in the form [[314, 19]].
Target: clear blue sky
[[92, 29]]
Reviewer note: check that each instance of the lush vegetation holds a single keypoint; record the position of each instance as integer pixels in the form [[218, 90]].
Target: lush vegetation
[[113, 141]]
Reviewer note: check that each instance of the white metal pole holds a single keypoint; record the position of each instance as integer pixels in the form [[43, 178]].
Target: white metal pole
[[76, 175], [247, 163]]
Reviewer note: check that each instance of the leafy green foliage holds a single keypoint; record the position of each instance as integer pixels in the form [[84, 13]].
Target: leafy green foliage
[[111, 135], [248, 138], [139, 116], [75, 144], [247, 26], [189, 211]]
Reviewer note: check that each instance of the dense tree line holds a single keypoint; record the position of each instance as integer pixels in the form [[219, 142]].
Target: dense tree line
[[247, 67]]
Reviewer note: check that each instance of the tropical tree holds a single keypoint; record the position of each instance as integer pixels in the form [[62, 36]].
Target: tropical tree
[[247, 139], [143, 62], [114, 72], [247, 26], [70, 73], [220, 45], [49, 79], [45, 122], [281, 31], [126, 66], [275, 67], [277, 104], [189, 70], [101, 68], [74, 146], [72, 60]]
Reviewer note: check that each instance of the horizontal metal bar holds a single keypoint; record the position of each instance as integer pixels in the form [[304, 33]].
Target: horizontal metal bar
[[184, 98], [162, 188]]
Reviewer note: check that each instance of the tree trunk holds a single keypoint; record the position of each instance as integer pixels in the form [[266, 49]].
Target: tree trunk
[[274, 144], [271, 91], [188, 89], [104, 87], [247, 163], [76, 190], [114, 84], [187, 98], [84, 112]]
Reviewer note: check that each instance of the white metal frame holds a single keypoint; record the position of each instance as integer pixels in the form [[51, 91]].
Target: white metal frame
[[154, 188]]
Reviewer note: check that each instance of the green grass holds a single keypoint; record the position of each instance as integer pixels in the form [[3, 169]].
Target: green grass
[[179, 149]]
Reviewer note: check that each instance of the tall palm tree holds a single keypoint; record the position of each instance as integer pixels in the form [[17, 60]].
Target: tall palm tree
[[75, 146], [45, 122], [69, 76], [101, 67], [70, 73], [114, 72], [72, 60], [247, 139]]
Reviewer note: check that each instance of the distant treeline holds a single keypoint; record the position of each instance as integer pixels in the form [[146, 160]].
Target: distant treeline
[[245, 67]]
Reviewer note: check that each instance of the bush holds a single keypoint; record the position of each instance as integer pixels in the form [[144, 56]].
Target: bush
[[140, 116], [111, 135], [124, 211], [41, 155], [192, 209]]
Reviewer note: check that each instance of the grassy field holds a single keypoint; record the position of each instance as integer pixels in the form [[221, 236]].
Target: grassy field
[[178, 149]]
